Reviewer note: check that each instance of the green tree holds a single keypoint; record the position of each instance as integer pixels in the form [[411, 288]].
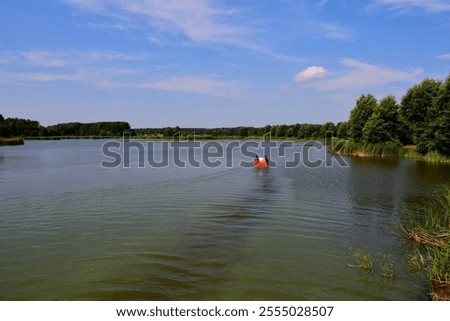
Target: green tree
[[415, 107], [281, 130], [437, 133], [290, 132], [307, 131], [243, 131], [342, 129], [382, 126], [168, 132], [328, 127], [365, 106], [267, 129]]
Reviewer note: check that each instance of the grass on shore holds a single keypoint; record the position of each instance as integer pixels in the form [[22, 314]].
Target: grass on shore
[[11, 141], [429, 226], [391, 149]]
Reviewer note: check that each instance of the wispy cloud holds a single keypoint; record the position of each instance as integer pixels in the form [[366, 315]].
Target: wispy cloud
[[197, 84], [35, 66], [198, 20], [23, 78], [46, 58], [406, 6], [445, 56], [360, 75], [334, 31], [93, 68], [58, 59]]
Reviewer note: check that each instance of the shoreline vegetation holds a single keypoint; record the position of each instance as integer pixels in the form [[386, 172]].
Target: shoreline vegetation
[[11, 141], [393, 150], [429, 227]]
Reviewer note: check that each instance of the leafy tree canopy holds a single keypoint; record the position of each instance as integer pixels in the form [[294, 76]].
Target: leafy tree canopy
[[365, 105]]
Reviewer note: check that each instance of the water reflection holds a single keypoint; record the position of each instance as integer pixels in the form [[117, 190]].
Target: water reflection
[[432, 174]]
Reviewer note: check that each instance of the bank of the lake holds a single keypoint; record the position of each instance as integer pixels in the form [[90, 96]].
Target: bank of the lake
[[428, 224], [11, 141], [391, 149]]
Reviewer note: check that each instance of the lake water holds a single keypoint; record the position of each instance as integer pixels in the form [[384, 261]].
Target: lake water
[[73, 230]]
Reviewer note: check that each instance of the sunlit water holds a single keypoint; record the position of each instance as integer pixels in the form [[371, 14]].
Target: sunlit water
[[73, 230]]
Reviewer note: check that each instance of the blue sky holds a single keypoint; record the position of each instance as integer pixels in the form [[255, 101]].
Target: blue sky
[[205, 63]]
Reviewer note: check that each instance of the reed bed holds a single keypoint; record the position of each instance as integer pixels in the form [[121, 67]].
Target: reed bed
[[11, 141], [391, 149], [429, 226]]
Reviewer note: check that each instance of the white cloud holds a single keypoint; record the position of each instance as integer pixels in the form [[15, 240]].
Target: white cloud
[[404, 6], [446, 56], [198, 20], [360, 75], [309, 73], [334, 31]]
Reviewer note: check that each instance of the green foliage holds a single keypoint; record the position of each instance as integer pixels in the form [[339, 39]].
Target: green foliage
[[417, 261], [432, 219], [351, 148], [437, 132], [365, 106], [116, 128], [382, 125], [388, 268], [309, 131], [281, 131], [363, 260], [439, 264], [422, 118], [342, 129], [243, 131], [416, 105], [429, 225], [11, 141], [327, 128], [14, 127]]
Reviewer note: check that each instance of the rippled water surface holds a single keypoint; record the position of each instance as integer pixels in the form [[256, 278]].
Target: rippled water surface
[[72, 230]]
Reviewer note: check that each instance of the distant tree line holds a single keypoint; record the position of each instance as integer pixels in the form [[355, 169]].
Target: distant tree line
[[14, 127], [300, 131], [114, 128], [421, 118]]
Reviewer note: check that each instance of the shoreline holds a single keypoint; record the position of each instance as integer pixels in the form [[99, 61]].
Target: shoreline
[[387, 150], [13, 141]]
